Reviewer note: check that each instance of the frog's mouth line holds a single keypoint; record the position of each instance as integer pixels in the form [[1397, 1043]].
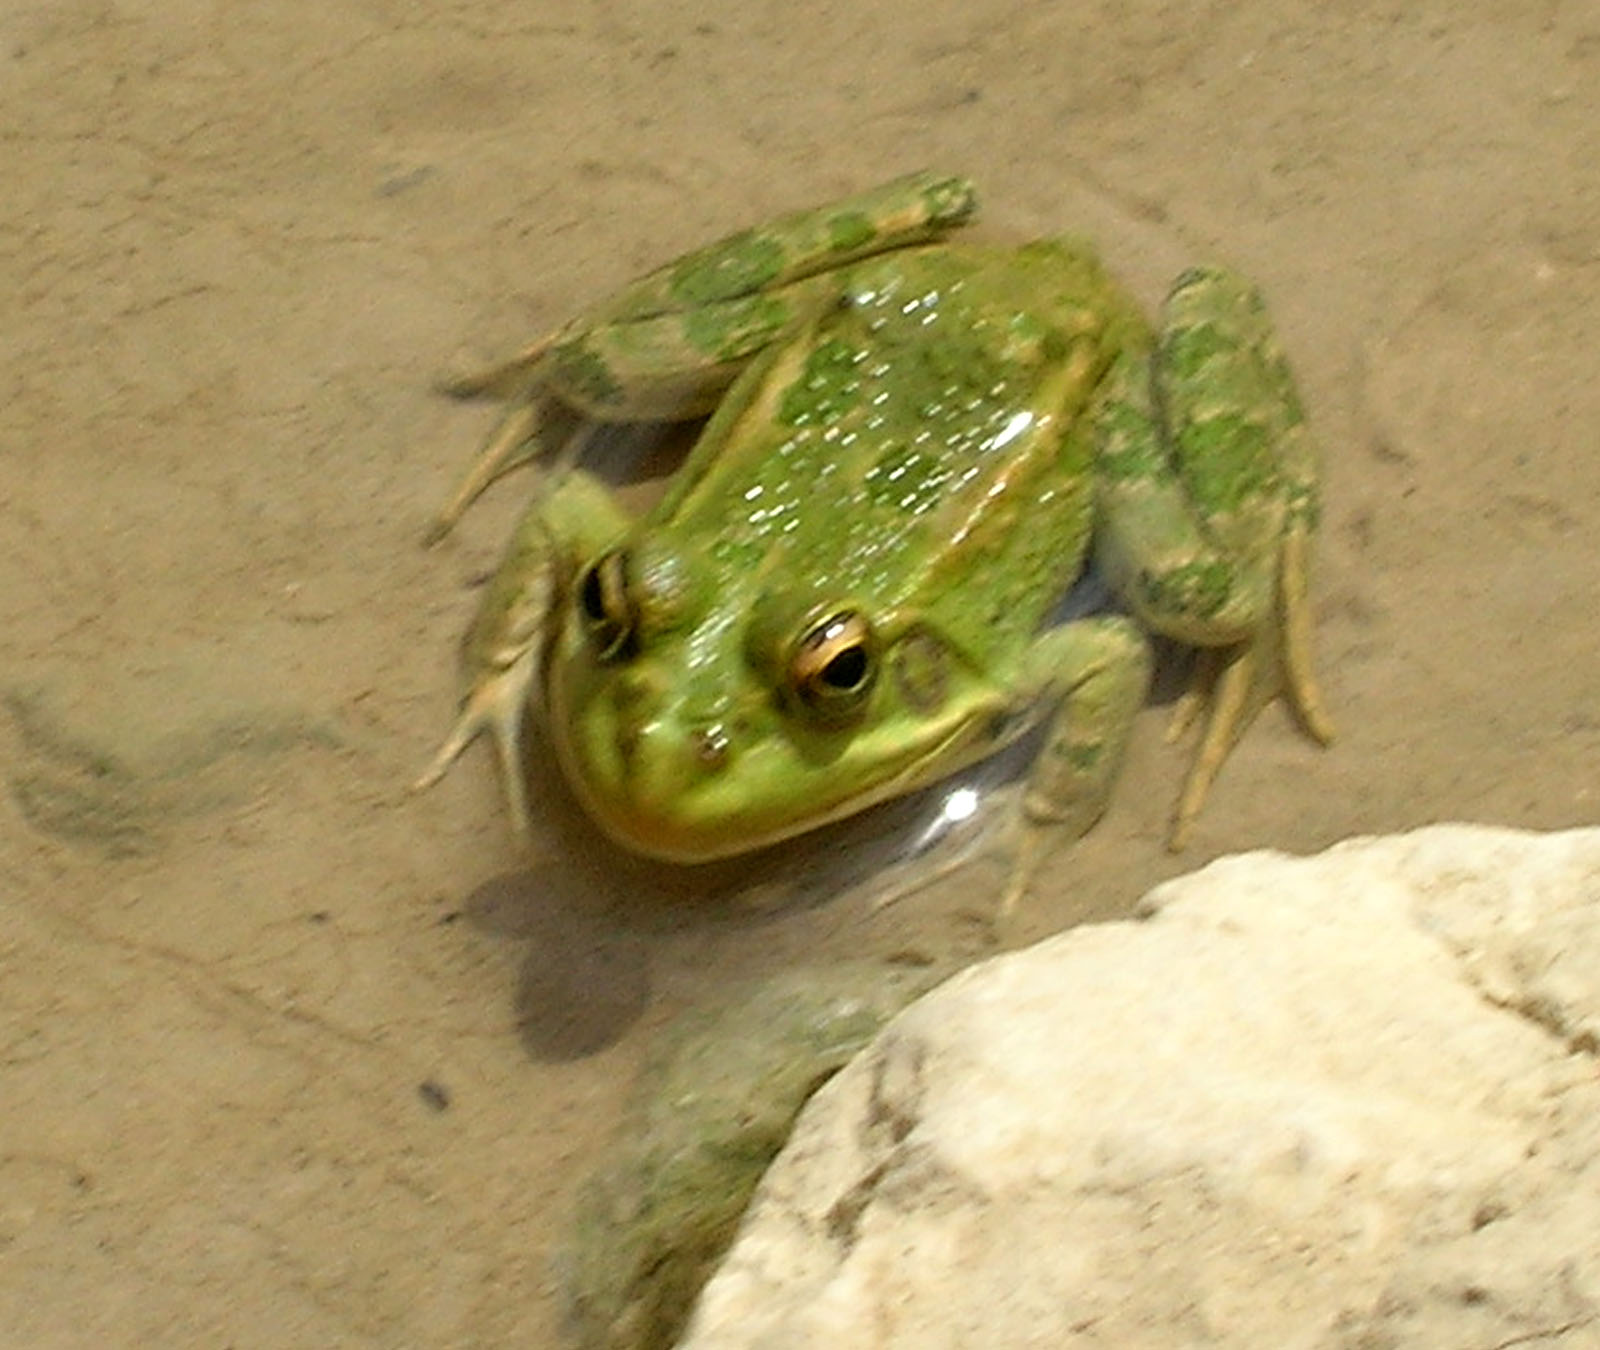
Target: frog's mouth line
[[689, 825]]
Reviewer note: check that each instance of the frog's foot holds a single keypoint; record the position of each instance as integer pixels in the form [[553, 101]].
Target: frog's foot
[[1018, 843], [1233, 683], [532, 425], [498, 704], [504, 648], [1014, 843], [1029, 839], [1293, 590], [1099, 670], [501, 452]]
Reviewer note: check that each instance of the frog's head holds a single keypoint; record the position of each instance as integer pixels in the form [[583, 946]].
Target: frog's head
[[696, 726]]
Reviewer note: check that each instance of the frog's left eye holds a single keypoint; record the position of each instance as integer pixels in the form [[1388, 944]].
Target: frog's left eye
[[608, 613], [834, 666]]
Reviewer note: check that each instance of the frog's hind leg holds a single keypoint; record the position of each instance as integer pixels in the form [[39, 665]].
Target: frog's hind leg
[[1230, 685], [668, 345], [1206, 503]]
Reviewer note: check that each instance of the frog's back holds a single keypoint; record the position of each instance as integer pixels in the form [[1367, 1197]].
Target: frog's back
[[905, 450]]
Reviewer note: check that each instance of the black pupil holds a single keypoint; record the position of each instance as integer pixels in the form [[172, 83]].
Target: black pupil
[[591, 596], [846, 670]]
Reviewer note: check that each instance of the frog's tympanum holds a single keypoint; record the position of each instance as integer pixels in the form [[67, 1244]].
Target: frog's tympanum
[[914, 448]]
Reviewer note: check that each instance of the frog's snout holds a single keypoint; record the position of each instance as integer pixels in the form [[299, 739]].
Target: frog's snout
[[662, 756], [662, 788]]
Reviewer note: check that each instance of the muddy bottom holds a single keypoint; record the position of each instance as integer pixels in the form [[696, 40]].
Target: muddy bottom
[[290, 1057]]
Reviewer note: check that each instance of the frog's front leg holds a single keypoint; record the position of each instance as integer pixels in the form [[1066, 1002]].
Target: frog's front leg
[[503, 651], [667, 346], [1096, 671], [1206, 501]]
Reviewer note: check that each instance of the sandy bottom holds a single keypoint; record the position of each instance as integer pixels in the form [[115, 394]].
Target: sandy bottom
[[290, 1058]]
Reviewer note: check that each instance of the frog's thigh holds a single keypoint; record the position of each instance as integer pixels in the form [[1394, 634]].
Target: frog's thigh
[[1212, 560], [1232, 412], [669, 367], [1151, 541], [1099, 669], [661, 368]]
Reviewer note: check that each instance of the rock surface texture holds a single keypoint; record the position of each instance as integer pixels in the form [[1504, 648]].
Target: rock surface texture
[[1342, 1101]]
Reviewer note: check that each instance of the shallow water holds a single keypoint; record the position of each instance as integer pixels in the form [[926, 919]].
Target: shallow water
[[291, 1057]]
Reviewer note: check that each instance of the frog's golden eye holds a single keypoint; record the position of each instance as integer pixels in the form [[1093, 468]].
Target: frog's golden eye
[[608, 613], [834, 666]]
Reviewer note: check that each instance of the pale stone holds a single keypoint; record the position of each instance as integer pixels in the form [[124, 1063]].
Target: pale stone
[[1348, 1100]]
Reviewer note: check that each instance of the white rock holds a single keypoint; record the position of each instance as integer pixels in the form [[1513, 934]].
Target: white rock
[[1348, 1100]]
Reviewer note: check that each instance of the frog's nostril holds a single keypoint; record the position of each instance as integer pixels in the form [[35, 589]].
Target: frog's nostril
[[710, 745]]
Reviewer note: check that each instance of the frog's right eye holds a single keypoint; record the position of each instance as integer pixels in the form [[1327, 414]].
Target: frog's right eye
[[833, 667], [608, 613]]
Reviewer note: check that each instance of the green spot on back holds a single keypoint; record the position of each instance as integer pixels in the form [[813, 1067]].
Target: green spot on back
[[906, 478], [826, 387]]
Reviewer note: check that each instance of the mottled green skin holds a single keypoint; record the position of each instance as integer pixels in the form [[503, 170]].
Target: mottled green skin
[[930, 441], [901, 455], [668, 345]]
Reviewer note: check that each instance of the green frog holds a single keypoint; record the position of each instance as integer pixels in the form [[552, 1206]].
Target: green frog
[[914, 448]]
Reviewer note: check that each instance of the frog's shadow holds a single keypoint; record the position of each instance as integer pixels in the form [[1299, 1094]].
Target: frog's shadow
[[596, 918]]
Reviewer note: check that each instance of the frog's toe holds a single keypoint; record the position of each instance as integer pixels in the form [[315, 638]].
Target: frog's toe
[[1232, 684], [505, 379], [506, 448], [1298, 678], [497, 704], [1228, 688]]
